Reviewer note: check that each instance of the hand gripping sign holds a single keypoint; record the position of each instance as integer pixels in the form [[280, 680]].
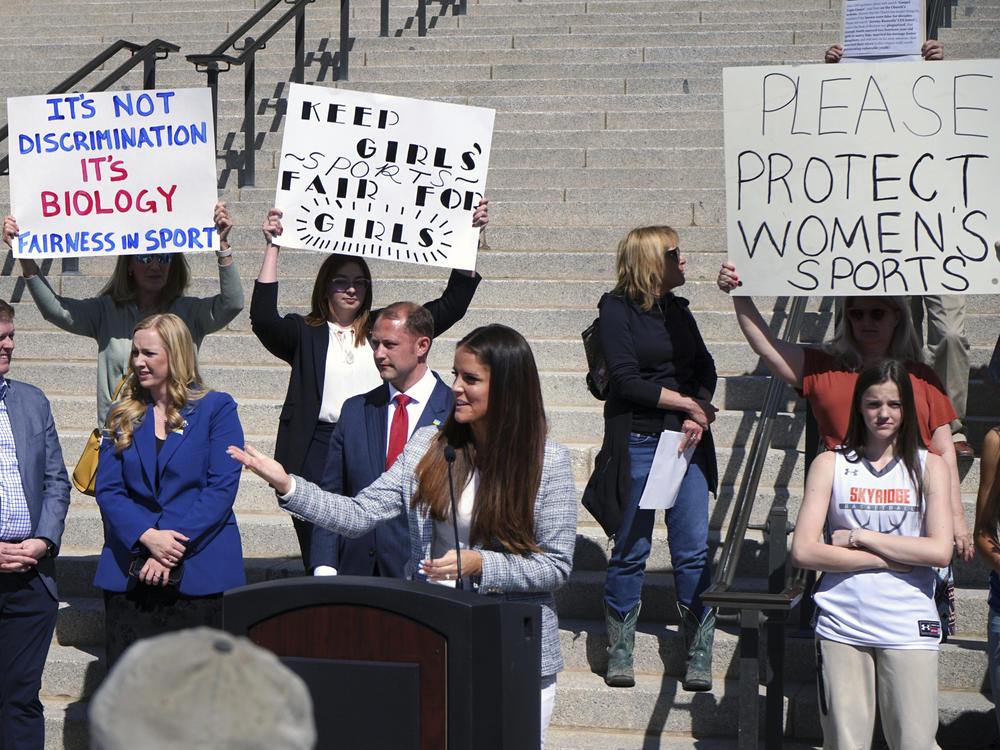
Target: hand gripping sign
[[112, 173], [875, 179]]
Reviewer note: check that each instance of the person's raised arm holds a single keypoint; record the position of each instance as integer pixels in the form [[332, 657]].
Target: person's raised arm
[[211, 314], [269, 266], [79, 316], [454, 302], [988, 501], [786, 360], [10, 230], [935, 548]]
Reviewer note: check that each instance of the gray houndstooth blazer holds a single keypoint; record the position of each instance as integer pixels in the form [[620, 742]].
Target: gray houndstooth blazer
[[527, 578]]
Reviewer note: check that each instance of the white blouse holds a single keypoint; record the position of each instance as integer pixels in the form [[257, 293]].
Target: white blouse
[[350, 371]]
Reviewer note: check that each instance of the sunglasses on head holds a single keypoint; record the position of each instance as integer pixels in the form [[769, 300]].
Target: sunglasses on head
[[876, 313], [342, 284], [161, 258], [673, 254]]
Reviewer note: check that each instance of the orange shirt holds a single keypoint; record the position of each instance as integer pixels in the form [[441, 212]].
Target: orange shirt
[[830, 388]]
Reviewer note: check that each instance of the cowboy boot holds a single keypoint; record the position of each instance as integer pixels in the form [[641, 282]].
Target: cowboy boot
[[698, 640], [621, 644]]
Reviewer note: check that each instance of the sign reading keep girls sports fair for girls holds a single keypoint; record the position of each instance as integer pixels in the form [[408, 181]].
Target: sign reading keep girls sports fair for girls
[[112, 173], [382, 176], [864, 179]]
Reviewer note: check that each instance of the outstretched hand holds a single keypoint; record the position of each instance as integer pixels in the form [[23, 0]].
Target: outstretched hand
[[263, 466]]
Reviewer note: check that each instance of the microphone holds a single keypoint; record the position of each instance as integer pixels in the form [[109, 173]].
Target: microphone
[[449, 456]]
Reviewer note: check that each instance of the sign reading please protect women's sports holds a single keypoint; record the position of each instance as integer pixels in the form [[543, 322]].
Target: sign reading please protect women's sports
[[112, 173], [382, 176], [864, 179]]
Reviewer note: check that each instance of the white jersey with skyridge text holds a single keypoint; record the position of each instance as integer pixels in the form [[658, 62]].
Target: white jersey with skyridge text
[[877, 608]]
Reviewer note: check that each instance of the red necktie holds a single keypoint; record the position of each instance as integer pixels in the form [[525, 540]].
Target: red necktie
[[399, 431]]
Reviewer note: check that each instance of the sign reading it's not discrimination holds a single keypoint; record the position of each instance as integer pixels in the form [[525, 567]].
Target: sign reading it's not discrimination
[[382, 176], [874, 179], [112, 173]]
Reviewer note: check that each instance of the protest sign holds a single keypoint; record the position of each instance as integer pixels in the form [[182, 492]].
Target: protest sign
[[883, 28], [112, 173], [863, 180], [382, 176]]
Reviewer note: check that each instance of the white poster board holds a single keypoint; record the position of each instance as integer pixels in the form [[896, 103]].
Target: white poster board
[[382, 176], [843, 179], [883, 28], [112, 173]]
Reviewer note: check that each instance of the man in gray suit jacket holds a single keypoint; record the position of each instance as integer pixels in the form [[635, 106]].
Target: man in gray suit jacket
[[371, 432], [34, 498]]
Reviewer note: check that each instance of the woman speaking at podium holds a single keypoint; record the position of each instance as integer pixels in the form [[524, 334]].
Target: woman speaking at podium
[[514, 490]]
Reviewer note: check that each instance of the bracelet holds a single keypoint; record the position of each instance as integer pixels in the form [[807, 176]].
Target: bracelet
[[227, 253], [850, 540]]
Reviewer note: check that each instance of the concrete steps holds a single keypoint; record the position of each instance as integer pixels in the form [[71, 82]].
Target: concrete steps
[[609, 115]]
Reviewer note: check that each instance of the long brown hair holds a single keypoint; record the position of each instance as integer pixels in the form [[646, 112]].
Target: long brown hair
[[322, 309], [121, 285], [640, 264], [908, 439], [510, 466], [184, 384]]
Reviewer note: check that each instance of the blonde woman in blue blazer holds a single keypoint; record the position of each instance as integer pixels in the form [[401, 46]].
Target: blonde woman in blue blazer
[[515, 492], [166, 489]]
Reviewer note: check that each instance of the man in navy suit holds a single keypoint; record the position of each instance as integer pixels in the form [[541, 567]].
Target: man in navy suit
[[34, 498], [371, 433]]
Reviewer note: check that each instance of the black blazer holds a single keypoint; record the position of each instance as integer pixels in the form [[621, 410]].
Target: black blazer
[[304, 347]]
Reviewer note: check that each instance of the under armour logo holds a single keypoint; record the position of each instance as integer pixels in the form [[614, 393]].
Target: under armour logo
[[849, 472]]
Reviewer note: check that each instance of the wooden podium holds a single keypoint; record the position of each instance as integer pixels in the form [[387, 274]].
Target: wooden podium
[[401, 665]]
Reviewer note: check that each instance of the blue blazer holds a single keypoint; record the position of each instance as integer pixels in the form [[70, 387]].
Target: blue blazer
[[197, 488], [356, 459], [42, 469]]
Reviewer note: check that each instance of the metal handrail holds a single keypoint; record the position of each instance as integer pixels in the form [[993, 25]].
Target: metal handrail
[[212, 64], [758, 608], [757, 456], [147, 54], [938, 16]]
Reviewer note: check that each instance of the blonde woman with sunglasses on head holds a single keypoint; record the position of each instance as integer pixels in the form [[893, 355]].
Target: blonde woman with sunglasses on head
[[140, 285]]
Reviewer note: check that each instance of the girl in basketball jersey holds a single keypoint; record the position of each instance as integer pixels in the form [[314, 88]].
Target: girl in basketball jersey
[[884, 501]]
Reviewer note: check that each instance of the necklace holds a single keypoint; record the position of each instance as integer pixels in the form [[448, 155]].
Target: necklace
[[346, 348]]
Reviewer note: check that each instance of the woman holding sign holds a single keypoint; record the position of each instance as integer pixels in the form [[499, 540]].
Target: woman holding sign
[[870, 329], [331, 359], [884, 500], [516, 503], [661, 379], [166, 491], [139, 286]]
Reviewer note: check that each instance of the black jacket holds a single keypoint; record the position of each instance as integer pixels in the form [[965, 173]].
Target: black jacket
[[304, 347], [645, 351]]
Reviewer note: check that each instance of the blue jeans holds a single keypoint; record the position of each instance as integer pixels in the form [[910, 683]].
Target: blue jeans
[[687, 534], [993, 653]]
